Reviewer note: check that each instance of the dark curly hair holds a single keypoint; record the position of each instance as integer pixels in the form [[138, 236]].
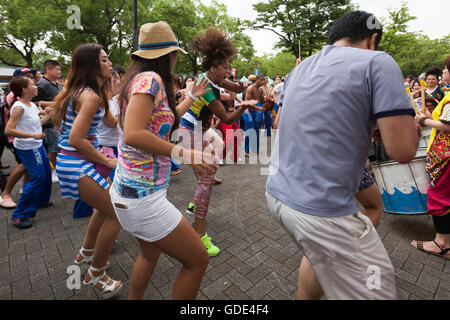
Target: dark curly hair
[[447, 63], [433, 71], [214, 46]]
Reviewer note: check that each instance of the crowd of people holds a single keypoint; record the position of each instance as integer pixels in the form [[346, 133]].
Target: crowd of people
[[112, 139]]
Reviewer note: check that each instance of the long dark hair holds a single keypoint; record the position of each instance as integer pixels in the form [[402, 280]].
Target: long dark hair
[[161, 66], [84, 72]]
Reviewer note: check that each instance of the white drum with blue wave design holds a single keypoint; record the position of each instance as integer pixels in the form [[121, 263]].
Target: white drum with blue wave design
[[403, 187]]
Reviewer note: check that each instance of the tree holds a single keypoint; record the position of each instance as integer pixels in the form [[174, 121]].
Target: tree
[[279, 65], [299, 21], [395, 37], [413, 52], [23, 26], [187, 18], [107, 22]]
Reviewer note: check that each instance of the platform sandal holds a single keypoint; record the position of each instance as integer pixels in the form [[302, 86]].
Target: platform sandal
[[106, 291], [88, 259]]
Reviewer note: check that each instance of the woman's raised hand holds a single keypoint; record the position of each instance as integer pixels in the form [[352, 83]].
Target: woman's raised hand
[[199, 89]]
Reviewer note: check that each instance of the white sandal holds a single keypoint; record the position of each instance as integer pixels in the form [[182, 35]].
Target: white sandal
[[106, 291], [88, 259]]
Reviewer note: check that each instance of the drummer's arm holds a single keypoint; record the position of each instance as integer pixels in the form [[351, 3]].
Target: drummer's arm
[[399, 137]]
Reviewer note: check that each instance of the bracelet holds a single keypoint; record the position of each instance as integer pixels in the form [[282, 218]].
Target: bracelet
[[192, 96], [422, 121]]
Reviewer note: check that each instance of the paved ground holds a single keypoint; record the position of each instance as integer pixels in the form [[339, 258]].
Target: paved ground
[[258, 260]]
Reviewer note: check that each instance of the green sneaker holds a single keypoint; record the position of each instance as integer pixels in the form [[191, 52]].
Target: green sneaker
[[190, 208], [212, 249]]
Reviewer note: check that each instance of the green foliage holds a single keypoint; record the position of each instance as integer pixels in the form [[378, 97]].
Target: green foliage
[[188, 18], [278, 65], [23, 24], [413, 52], [307, 21], [33, 31]]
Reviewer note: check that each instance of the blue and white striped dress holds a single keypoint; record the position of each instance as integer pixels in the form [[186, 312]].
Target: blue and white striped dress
[[70, 169]]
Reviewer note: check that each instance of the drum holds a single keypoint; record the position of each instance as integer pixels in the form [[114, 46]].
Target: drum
[[403, 187], [424, 140]]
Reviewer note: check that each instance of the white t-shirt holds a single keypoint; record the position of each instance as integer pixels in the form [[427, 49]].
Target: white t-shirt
[[107, 136], [28, 123], [278, 90]]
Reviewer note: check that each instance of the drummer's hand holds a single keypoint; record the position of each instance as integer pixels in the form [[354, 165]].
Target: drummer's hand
[[419, 116]]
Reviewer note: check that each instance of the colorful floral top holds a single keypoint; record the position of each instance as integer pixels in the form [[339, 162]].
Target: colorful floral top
[[138, 172], [438, 154]]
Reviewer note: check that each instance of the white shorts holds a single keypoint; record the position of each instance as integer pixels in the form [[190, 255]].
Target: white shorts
[[346, 253], [150, 219]]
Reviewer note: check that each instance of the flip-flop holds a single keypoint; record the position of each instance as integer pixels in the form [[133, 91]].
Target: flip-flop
[[442, 254]]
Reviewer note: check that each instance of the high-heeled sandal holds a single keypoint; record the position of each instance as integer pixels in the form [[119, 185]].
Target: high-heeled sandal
[[106, 291], [88, 259]]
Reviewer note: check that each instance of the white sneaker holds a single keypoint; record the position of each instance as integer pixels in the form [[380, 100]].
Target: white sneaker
[[54, 177]]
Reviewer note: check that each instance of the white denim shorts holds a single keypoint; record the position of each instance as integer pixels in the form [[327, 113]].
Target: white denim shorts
[[346, 253], [150, 219]]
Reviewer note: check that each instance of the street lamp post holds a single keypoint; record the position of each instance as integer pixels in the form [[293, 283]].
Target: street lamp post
[[135, 26]]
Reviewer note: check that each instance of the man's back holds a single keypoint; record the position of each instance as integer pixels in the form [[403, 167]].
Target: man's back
[[331, 103]]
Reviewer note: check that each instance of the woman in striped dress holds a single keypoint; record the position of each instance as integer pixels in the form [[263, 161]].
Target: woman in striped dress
[[79, 109]]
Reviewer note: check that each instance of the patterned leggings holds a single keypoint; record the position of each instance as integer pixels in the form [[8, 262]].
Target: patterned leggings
[[205, 180]]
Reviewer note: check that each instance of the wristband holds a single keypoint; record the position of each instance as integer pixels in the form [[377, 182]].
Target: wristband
[[422, 122], [192, 96]]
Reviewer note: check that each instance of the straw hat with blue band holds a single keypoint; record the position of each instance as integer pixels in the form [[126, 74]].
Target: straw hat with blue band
[[156, 40]]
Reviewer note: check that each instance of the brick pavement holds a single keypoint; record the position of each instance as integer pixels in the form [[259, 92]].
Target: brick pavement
[[258, 261]]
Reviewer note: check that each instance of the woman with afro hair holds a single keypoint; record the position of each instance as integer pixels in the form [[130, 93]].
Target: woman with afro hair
[[216, 50]]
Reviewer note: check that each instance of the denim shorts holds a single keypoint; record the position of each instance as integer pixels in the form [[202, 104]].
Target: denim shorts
[[51, 140]]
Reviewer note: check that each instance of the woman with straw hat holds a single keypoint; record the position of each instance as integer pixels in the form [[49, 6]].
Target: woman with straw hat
[[148, 116]]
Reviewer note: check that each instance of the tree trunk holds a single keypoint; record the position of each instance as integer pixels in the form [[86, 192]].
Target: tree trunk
[[29, 59]]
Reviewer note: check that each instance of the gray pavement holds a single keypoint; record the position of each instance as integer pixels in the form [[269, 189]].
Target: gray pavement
[[258, 261]]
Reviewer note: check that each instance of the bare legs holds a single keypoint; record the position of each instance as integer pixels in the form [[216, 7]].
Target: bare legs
[[308, 286], [103, 227], [184, 245], [13, 178]]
